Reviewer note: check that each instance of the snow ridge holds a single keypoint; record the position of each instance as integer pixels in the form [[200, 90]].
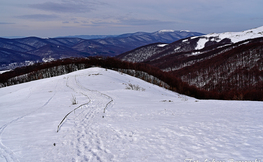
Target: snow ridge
[[240, 36], [233, 36]]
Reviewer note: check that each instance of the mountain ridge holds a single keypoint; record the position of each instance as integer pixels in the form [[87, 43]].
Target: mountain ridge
[[196, 44], [213, 62], [52, 48]]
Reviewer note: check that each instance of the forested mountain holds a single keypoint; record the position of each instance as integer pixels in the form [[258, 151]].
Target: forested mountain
[[16, 51], [222, 62], [190, 46]]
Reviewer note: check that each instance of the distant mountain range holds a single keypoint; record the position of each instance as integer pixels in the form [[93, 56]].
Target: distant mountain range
[[24, 51], [88, 36], [220, 62]]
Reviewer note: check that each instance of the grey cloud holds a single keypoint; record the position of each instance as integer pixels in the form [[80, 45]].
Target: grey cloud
[[141, 22], [64, 7], [38, 17], [5, 23], [132, 22]]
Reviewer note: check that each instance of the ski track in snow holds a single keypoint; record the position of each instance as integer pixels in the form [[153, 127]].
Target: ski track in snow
[[83, 138], [5, 152]]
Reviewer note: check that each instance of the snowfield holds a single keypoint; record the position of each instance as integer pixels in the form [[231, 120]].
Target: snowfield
[[111, 122]]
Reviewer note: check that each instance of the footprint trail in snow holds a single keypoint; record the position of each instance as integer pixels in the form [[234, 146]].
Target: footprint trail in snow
[[82, 133]]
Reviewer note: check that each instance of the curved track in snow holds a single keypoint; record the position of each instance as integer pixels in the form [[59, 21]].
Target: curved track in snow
[[84, 137]]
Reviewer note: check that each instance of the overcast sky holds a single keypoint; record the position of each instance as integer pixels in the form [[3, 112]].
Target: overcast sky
[[50, 18]]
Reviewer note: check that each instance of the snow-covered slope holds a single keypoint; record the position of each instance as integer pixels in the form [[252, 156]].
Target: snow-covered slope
[[111, 122], [233, 36]]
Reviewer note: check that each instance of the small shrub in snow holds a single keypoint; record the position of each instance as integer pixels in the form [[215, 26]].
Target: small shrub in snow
[[167, 101], [73, 100], [134, 87], [184, 98]]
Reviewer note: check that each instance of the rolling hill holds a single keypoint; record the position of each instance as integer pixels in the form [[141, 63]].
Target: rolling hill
[[112, 122]]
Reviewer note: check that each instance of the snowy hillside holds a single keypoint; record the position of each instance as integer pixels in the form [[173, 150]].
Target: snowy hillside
[[233, 36], [121, 118], [190, 46]]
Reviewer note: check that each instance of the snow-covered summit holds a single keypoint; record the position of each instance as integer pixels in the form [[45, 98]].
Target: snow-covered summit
[[185, 31], [166, 31]]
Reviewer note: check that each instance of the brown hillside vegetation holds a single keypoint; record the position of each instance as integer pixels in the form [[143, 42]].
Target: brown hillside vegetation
[[237, 72], [55, 68]]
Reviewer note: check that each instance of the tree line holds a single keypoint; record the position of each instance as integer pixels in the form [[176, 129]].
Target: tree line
[[144, 71]]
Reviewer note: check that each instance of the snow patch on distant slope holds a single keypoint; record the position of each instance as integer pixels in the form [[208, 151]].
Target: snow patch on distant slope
[[177, 48], [196, 53], [201, 43], [48, 59], [3, 71], [162, 45]]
